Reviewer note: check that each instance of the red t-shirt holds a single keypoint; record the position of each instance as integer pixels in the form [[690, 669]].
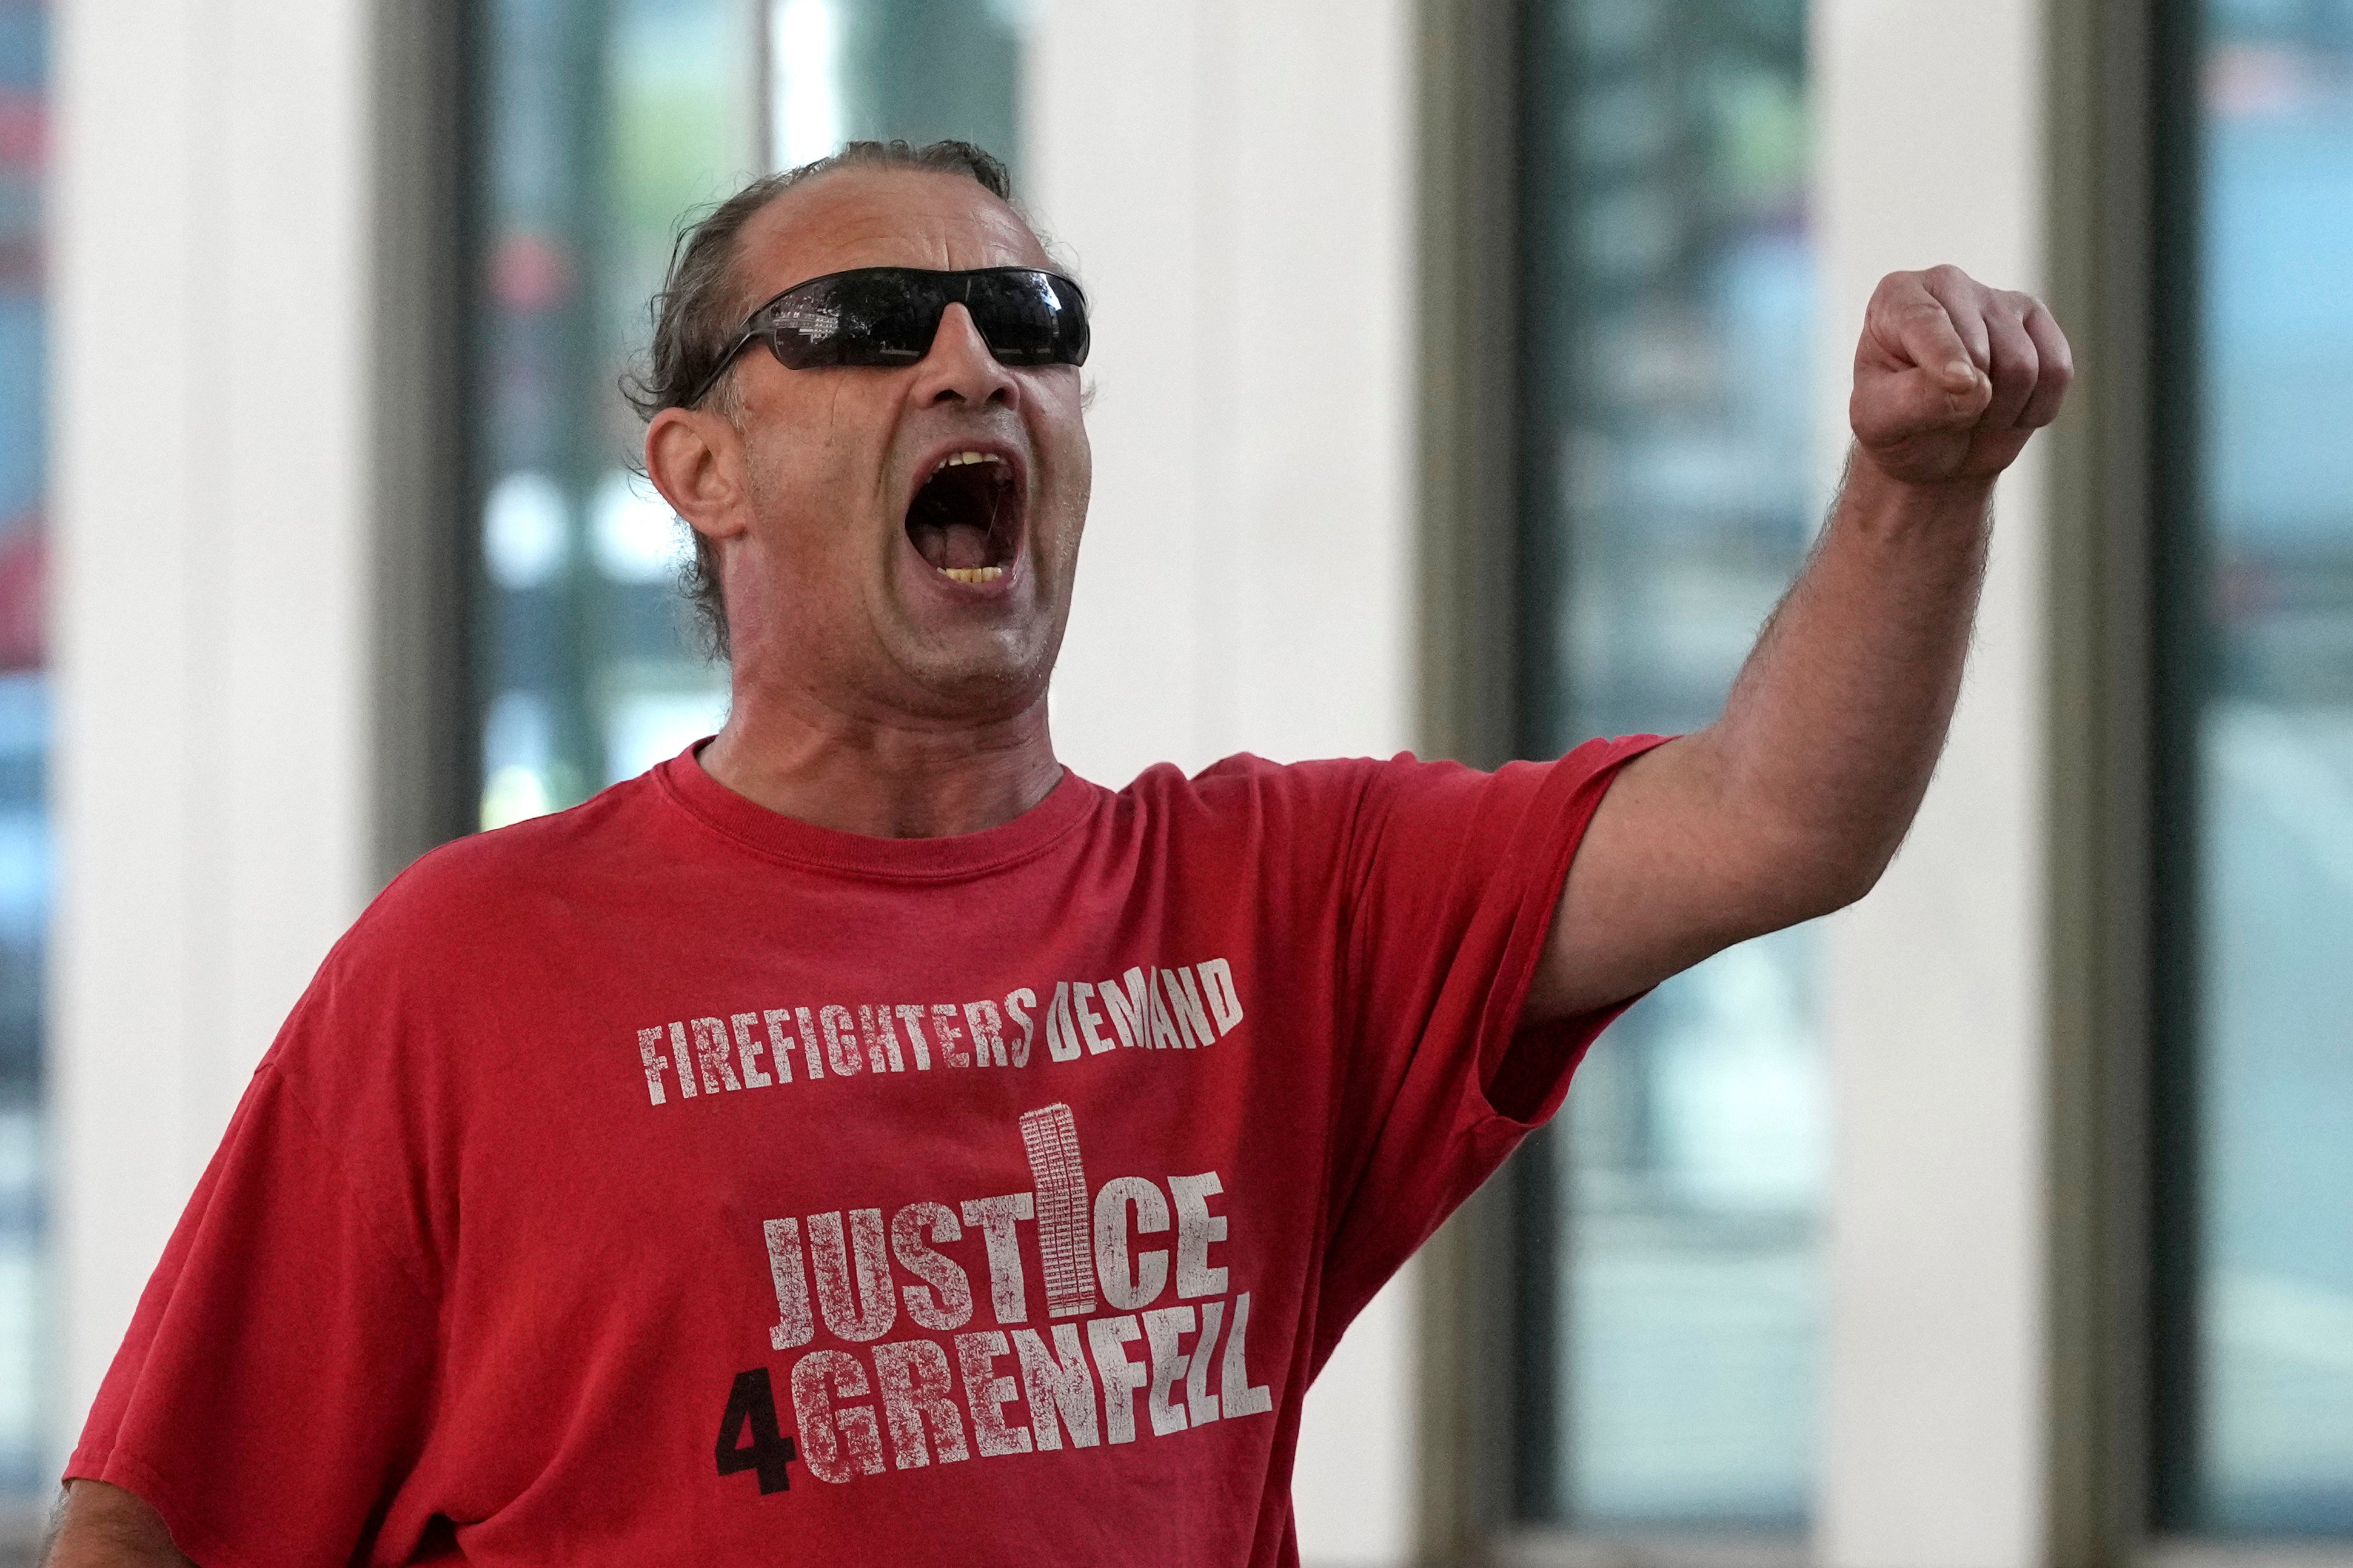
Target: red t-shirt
[[672, 1182]]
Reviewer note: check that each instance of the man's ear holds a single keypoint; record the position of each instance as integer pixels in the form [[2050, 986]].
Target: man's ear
[[696, 460]]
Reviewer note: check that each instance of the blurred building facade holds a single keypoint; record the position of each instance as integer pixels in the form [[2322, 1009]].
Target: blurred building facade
[[1470, 377]]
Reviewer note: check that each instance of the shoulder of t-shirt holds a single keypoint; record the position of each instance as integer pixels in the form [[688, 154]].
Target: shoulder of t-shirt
[[491, 885], [1324, 809], [1352, 781], [1245, 774], [484, 902], [1245, 786], [1360, 792]]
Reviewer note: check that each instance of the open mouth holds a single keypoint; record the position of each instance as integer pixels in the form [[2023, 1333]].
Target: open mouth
[[965, 518]]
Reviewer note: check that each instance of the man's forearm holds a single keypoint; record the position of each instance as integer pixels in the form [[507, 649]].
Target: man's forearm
[[100, 1526], [1834, 725], [1792, 803]]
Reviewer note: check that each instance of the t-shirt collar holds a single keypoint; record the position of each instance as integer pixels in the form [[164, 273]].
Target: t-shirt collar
[[686, 782]]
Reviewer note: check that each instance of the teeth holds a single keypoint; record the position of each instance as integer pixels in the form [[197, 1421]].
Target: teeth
[[973, 574], [960, 458]]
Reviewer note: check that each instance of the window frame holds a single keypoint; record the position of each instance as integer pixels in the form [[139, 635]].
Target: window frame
[[427, 135]]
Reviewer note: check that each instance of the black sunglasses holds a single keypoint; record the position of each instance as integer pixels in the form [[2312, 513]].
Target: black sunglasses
[[889, 315]]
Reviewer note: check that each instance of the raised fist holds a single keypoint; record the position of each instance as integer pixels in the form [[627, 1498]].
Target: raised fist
[[1951, 377]]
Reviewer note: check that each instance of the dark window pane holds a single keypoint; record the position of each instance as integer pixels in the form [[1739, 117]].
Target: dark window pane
[[2266, 1442], [1668, 282]]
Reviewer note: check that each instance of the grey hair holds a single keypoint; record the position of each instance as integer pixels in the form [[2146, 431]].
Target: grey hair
[[700, 307]]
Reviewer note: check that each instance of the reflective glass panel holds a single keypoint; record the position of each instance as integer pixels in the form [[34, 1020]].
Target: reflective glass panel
[[1672, 1305], [874, 69], [24, 1331], [604, 123], [2268, 1443]]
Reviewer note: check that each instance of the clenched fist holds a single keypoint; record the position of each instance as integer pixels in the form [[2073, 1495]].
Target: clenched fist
[[1951, 377]]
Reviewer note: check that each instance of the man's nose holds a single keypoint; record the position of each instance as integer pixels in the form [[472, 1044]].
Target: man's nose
[[959, 366]]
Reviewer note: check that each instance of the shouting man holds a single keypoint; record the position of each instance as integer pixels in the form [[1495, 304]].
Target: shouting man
[[861, 1140]]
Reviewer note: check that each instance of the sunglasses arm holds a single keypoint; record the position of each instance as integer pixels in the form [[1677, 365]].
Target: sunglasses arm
[[743, 342]]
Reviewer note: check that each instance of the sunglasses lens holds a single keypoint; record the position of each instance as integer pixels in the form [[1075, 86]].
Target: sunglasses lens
[[1028, 316], [879, 316]]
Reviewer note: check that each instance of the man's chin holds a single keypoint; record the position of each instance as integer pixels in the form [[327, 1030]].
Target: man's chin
[[980, 678]]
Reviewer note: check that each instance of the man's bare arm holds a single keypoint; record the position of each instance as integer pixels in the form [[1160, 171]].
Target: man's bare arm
[[1793, 802], [103, 1526]]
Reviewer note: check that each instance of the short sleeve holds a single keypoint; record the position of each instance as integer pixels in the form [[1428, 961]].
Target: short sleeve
[[276, 1379], [1453, 877]]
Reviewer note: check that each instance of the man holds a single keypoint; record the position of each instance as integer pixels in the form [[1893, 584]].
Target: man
[[862, 1141]]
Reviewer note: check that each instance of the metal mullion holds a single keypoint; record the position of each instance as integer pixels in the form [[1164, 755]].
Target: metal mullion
[[2179, 559], [2103, 628]]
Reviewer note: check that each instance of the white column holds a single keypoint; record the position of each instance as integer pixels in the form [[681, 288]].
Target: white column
[[211, 784], [1929, 120], [1234, 182]]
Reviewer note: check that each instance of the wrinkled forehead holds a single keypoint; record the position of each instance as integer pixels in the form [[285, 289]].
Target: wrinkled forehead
[[878, 217]]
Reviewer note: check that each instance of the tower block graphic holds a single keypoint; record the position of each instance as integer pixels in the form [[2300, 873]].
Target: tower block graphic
[[1065, 1233]]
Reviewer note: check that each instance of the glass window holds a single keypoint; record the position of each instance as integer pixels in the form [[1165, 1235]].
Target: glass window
[[921, 70], [2256, 1396], [1670, 1302], [24, 747], [604, 123]]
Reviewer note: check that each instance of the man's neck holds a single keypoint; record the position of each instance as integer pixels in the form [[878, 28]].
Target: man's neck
[[884, 777]]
